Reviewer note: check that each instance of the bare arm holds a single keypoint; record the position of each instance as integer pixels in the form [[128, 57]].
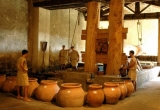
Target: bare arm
[[131, 64], [78, 55]]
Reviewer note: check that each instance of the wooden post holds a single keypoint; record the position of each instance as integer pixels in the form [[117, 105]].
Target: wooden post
[[93, 17], [158, 59], [116, 16]]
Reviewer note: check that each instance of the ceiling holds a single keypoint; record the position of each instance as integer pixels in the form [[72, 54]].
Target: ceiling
[[134, 9]]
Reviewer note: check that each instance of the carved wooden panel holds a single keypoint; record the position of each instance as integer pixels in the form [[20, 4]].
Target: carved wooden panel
[[102, 46]]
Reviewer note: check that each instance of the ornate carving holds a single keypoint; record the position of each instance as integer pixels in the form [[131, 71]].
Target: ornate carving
[[102, 46]]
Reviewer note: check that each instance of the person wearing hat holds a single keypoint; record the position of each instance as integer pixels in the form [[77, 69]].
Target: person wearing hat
[[63, 55], [74, 57]]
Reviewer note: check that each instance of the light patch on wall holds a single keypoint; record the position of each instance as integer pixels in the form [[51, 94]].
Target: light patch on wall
[[149, 34]]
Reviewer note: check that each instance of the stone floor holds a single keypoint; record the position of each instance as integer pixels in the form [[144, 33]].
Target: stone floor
[[147, 97]]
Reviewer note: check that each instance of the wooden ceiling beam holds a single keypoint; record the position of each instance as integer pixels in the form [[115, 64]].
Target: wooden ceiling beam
[[129, 8], [145, 8], [129, 1], [137, 7], [58, 3], [65, 7], [153, 3], [137, 16]]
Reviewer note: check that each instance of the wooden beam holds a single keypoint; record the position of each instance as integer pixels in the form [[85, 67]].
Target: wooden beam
[[154, 3], [59, 3], [129, 8], [102, 58], [129, 1], [145, 8], [137, 7], [99, 36], [114, 54], [136, 16], [93, 19], [104, 33], [65, 6]]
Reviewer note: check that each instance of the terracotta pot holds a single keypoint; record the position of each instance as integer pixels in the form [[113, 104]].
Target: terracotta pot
[[130, 87], [9, 84], [123, 90], [33, 84], [70, 95], [95, 95], [47, 90], [112, 92], [2, 79]]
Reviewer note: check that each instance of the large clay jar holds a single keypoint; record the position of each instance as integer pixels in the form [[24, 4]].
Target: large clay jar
[[112, 92], [130, 87], [123, 90], [2, 79], [70, 95], [33, 84], [47, 90], [95, 95], [9, 84]]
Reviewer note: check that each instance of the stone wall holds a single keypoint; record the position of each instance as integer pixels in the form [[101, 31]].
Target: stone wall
[[64, 31], [13, 31]]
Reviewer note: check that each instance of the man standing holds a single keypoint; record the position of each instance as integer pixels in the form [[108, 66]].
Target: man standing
[[22, 76], [74, 56], [63, 54], [132, 69]]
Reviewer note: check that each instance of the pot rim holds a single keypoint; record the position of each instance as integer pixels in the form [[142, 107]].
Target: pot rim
[[116, 82], [2, 75], [11, 77], [32, 79], [71, 85], [48, 82], [111, 84], [96, 86]]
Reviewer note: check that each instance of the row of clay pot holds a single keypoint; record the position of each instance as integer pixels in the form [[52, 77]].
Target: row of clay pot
[[2, 79], [112, 92], [72, 94], [8, 84]]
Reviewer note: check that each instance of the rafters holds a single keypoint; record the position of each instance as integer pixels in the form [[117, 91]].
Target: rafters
[[80, 5]]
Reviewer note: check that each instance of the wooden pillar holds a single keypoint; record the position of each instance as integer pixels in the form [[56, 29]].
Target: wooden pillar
[[158, 59], [116, 16], [93, 17]]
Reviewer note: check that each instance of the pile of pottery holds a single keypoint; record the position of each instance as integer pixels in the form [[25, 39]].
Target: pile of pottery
[[2, 80], [8, 85], [111, 93], [72, 94]]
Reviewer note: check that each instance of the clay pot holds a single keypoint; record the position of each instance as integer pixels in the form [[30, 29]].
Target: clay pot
[[9, 84], [112, 92], [95, 95], [123, 90], [2, 79], [47, 90], [130, 87], [33, 84], [70, 95]]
